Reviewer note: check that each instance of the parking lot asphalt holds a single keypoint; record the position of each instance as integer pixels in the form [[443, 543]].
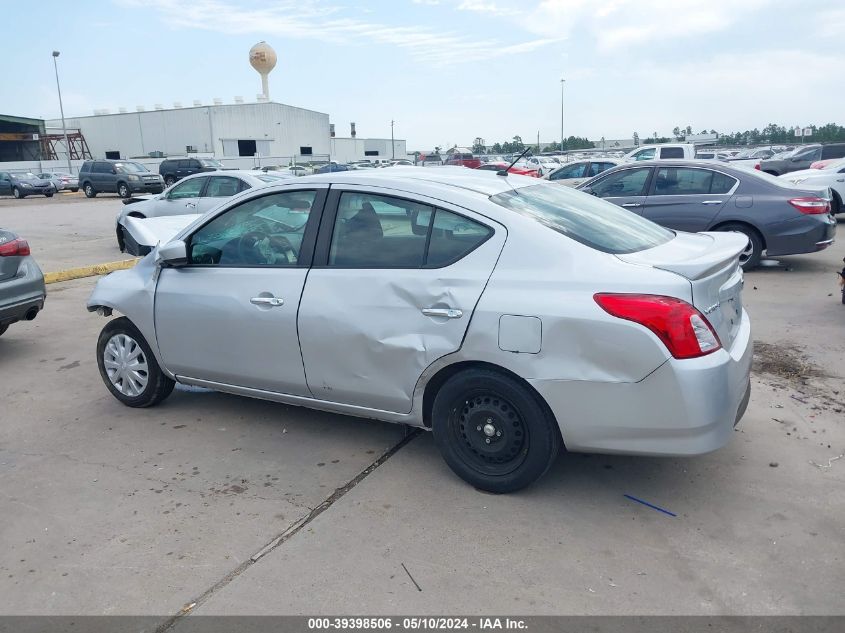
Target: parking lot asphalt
[[67, 230], [111, 510]]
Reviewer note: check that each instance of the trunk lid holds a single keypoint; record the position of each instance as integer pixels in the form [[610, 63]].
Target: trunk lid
[[710, 262]]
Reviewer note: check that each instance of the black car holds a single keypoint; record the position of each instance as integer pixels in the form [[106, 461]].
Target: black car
[[122, 177], [778, 217], [802, 158], [23, 185], [173, 169]]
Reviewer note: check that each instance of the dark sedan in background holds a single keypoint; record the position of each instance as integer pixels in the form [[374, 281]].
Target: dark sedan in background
[[22, 290], [801, 158], [25, 184], [777, 217]]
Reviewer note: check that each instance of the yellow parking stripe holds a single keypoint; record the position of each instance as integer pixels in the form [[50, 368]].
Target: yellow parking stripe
[[88, 271]]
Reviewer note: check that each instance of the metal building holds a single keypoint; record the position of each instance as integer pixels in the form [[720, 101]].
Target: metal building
[[239, 129], [20, 138], [345, 150]]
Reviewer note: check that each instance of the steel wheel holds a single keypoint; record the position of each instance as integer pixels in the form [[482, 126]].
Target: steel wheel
[[126, 365], [489, 432]]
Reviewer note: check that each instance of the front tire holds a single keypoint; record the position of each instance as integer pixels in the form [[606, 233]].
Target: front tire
[[3, 328], [750, 257], [493, 432], [17, 193], [169, 180], [123, 190], [128, 367], [90, 192], [48, 195]]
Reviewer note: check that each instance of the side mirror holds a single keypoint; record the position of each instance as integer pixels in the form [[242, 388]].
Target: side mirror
[[173, 253], [589, 190], [113, 170]]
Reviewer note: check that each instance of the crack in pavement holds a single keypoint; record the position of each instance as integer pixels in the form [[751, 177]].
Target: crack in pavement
[[287, 534]]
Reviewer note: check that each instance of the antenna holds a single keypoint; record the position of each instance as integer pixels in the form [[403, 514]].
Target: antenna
[[504, 172]]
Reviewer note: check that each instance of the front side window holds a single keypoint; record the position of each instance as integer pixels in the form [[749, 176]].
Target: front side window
[[626, 182], [223, 186], [187, 189], [592, 222], [597, 168], [265, 231], [679, 181], [645, 154], [570, 171], [184, 164], [373, 231]]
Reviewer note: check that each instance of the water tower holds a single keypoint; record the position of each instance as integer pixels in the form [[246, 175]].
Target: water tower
[[262, 57]]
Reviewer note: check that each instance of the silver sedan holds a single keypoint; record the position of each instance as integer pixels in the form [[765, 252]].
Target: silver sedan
[[511, 317], [137, 232]]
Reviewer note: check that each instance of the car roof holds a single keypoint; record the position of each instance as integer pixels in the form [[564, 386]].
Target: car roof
[[484, 183]]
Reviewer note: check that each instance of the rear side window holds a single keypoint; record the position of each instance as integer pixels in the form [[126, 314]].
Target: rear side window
[[671, 152], [570, 171], [585, 219], [644, 154], [626, 182], [833, 151], [597, 168], [722, 183], [222, 186], [373, 231]]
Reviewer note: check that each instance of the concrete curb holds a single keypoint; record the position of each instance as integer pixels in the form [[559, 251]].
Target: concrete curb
[[88, 271]]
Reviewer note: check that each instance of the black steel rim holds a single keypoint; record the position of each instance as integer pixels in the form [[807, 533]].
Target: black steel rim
[[489, 432]]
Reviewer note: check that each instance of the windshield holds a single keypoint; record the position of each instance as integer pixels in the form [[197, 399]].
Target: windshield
[[131, 168], [210, 162], [584, 218], [27, 175], [270, 178]]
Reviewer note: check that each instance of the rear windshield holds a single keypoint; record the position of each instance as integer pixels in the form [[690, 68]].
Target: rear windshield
[[584, 218]]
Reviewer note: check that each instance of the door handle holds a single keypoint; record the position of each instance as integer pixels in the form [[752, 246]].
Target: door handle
[[632, 204], [449, 313], [193, 205], [712, 202], [267, 301]]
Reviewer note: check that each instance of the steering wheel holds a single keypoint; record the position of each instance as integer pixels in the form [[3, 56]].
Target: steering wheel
[[249, 247]]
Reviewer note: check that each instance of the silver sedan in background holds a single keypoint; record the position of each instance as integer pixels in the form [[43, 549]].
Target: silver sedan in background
[[510, 316], [137, 231], [62, 181]]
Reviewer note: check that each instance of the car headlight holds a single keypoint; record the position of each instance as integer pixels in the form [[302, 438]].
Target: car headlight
[[27, 185], [133, 178]]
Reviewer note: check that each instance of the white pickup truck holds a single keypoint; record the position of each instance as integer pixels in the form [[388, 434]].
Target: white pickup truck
[[665, 151]]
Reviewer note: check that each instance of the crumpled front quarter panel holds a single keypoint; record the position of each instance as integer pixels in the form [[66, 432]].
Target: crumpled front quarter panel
[[132, 293]]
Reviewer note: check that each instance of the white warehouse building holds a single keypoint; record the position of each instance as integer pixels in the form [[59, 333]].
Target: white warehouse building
[[240, 129], [348, 149]]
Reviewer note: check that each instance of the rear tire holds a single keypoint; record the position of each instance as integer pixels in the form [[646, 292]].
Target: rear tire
[[3, 328], [836, 206], [75, 190], [750, 258], [128, 367], [493, 432], [90, 192]]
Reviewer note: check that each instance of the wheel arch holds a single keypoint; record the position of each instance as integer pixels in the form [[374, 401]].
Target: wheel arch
[[722, 223], [445, 373]]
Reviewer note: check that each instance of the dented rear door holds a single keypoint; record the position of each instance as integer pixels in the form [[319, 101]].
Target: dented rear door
[[367, 328]]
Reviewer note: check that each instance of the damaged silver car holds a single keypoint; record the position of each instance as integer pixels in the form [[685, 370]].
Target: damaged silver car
[[511, 317]]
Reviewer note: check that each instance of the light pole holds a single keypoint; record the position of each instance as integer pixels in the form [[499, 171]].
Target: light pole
[[392, 144], [562, 84], [62, 110]]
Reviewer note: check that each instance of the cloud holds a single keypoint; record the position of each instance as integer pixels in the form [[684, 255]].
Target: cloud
[[486, 7], [617, 24], [831, 23], [300, 19]]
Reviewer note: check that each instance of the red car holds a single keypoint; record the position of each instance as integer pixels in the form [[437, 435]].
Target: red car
[[521, 171], [463, 159]]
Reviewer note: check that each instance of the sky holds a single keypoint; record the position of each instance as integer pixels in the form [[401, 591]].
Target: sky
[[446, 71]]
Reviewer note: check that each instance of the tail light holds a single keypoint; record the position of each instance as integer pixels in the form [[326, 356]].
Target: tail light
[[811, 205], [757, 166], [15, 248], [685, 332]]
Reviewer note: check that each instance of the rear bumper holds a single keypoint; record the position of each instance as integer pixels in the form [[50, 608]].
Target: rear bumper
[[22, 294], [803, 235], [684, 407]]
